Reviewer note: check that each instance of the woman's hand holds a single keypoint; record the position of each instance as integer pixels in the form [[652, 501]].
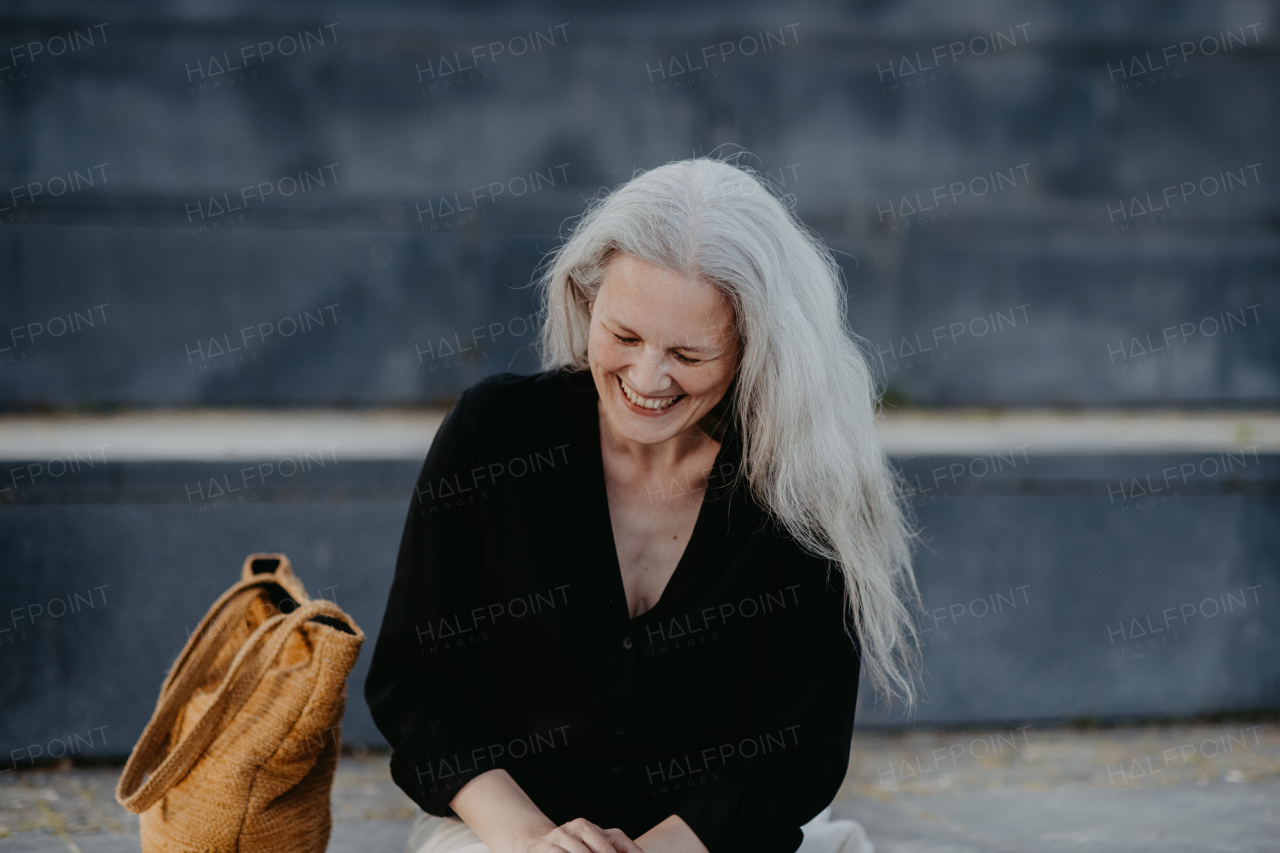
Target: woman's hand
[[580, 836], [501, 813]]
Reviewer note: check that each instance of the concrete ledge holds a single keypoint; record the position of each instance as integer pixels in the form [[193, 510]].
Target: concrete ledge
[[222, 434]]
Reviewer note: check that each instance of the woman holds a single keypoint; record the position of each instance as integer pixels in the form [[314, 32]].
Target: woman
[[619, 614]]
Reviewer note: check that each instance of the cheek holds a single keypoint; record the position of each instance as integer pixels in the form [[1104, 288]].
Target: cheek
[[596, 340], [702, 384], [606, 351], [600, 344]]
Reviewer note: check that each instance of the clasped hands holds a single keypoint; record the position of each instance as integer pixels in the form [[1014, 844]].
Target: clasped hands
[[580, 835]]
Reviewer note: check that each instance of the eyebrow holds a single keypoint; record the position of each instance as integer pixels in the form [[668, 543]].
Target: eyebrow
[[632, 332]]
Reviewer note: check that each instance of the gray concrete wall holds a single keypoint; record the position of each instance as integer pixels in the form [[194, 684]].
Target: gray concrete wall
[[1055, 588], [1044, 245]]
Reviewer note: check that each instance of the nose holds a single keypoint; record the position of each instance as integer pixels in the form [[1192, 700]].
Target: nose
[[648, 374]]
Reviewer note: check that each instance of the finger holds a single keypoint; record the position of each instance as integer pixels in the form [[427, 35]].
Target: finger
[[570, 842], [591, 835], [621, 842]]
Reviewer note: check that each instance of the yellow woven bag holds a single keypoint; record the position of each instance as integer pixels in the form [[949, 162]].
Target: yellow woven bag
[[245, 737]]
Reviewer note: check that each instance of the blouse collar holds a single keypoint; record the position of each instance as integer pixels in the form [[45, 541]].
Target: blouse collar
[[726, 518]]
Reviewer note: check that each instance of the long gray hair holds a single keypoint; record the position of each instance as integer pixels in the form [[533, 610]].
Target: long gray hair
[[804, 392]]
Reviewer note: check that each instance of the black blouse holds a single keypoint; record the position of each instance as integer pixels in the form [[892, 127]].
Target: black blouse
[[507, 641]]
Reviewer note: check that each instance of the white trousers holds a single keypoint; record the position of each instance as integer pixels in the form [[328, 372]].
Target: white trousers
[[434, 834]]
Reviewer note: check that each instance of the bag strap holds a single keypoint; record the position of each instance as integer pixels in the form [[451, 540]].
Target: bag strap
[[272, 563], [246, 670], [201, 652]]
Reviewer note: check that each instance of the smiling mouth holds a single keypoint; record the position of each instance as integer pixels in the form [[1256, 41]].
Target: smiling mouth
[[653, 404]]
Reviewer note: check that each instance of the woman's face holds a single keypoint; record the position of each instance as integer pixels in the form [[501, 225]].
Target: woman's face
[[669, 338]]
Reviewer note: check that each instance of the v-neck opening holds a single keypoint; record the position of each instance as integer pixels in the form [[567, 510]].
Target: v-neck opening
[[699, 523], [602, 492]]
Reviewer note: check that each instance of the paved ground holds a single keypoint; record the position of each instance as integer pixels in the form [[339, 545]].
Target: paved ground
[[1167, 788]]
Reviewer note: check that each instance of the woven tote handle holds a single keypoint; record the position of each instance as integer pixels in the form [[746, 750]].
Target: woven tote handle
[[193, 658], [240, 681]]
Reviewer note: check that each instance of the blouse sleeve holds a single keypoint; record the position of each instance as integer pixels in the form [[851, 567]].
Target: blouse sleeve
[[803, 697], [418, 696]]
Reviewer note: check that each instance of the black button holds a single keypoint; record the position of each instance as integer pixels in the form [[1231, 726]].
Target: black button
[[619, 729], [626, 643], [617, 768]]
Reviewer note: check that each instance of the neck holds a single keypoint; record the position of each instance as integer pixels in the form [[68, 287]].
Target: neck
[[670, 455]]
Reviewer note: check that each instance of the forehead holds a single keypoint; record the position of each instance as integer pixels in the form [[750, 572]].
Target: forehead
[[635, 291]]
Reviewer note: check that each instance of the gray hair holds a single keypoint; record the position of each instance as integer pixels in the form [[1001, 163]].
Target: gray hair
[[804, 392]]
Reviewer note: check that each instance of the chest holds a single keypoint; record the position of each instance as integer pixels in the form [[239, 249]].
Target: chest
[[653, 519]]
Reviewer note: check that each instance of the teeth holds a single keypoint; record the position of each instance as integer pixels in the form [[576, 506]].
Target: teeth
[[648, 402]]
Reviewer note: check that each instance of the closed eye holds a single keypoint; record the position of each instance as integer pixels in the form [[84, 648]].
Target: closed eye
[[680, 356]]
